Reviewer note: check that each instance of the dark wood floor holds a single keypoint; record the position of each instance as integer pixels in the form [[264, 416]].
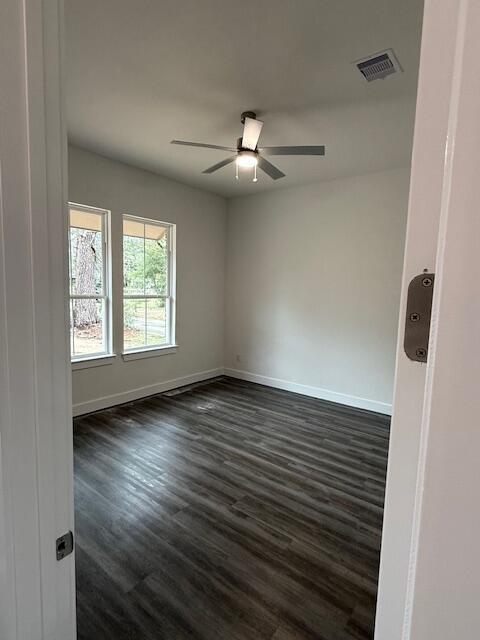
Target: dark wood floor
[[230, 511]]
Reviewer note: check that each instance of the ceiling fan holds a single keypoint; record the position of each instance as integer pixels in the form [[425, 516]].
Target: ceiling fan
[[248, 154]]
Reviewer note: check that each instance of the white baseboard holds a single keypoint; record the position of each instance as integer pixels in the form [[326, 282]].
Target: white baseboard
[[142, 392], [314, 392], [105, 402]]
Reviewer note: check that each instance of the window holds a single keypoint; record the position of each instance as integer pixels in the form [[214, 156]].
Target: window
[[148, 293], [148, 284], [89, 282]]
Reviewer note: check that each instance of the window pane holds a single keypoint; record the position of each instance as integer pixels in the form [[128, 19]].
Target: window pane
[[156, 266], [133, 228], [133, 265], [85, 219], [145, 258], [86, 253], [156, 322], [146, 281], [134, 320], [87, 322]]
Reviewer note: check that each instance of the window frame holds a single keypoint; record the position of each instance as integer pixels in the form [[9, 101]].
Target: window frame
[[169, 296], [106, 295]]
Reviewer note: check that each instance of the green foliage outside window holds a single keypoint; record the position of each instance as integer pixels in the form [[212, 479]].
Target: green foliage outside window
[[145, 269]]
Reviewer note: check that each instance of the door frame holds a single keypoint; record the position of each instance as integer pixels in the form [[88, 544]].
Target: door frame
[[37, 593], [428, 579], [436, 77], [36, 470], [442, 599]]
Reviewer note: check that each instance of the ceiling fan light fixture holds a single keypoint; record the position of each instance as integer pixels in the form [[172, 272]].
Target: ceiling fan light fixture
[[246, 159]]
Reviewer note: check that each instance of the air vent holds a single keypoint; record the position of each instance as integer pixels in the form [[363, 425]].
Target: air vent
[[379, 66]]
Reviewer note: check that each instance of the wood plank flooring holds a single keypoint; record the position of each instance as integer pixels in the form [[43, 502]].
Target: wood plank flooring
[[229, 511]]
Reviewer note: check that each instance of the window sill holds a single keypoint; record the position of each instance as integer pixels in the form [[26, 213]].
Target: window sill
[[93, 361], [149, 353]]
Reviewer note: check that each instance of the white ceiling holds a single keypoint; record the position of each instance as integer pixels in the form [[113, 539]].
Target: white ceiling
[[142, 72]]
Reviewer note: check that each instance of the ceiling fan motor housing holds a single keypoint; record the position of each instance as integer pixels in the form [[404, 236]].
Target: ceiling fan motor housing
[[248, 114], [240, 146]]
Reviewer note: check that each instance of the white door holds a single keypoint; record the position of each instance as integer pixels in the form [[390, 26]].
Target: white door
[[430, 565], [37, 595], [429, 583]]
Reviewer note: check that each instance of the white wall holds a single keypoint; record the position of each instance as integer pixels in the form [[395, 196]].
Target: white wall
[[201, 221], [313, 287]]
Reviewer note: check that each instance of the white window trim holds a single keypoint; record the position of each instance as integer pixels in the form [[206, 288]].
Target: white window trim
[[137, 353], [149, 352], [95, 359], [88, 362]]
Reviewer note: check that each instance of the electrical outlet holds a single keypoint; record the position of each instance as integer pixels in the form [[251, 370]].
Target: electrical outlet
[[238, 358]]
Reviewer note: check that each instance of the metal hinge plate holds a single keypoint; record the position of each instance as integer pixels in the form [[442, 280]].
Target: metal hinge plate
[[64, 545], [419, 311]]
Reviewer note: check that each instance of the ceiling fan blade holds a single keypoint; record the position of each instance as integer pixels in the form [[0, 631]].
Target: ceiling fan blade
[[294, 151], [202, 145], [219, 165], [251, 133], [270, 169]]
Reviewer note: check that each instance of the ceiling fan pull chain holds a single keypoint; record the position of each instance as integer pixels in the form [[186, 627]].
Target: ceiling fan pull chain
[[236, 171], [255, 173]]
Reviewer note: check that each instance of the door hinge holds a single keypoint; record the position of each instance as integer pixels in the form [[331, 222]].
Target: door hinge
[[419, 311], [64, 545]]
